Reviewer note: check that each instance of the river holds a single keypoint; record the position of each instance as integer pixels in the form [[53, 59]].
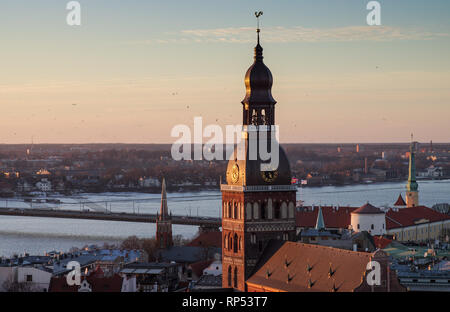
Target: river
[[38, 235]]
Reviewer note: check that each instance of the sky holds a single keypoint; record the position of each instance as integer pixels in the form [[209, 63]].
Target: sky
[[135, 69]]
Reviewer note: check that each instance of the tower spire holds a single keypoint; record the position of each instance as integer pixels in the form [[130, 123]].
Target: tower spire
[[412, 193], [258, 14], [320, 223], [164, 222], [164, 211]]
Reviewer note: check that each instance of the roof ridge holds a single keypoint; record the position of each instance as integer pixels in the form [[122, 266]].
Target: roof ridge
[[395, 221], [333, 248]]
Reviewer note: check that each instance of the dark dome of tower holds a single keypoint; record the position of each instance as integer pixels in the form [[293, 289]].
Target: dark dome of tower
[[258, 81]]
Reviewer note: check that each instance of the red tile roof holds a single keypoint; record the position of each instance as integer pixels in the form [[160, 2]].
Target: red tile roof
[[298, 267], [333, 217], [198, 267], [368, 209], [400, 217], [98, 284], [400, 201], [411, 216], [381, 242], [207, 239]]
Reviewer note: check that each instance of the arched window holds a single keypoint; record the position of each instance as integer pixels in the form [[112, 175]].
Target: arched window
[[263, 210], [248, 211], [230, 242], [269, 209], [236, 242], [235, 277], [255, 211], [276, 206], [283, 210], [372, 226], [229, 276], [291, 210], [263, 117], [235, 216], [229, 210]]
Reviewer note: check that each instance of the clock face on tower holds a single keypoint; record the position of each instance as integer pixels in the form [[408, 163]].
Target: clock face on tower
[[235, 173], [269, 176]]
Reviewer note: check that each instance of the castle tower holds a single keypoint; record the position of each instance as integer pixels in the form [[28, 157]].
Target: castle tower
[[257, 206], [412, 188], [164, 222]]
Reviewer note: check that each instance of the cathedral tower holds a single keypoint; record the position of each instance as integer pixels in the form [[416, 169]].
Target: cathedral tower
[[412, 188], [257, 206], [164, 222]]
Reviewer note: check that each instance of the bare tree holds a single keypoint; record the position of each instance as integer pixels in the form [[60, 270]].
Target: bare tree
[[11, 285], [132, 242]]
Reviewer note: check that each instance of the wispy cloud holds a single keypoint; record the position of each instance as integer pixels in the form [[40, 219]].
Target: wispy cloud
[[298, 34]]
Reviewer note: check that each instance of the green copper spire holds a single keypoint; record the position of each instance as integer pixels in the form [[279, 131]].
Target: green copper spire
[[412, 185], [320, 224]]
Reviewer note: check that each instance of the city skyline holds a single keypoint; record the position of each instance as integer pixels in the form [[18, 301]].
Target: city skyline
[[335, 78]]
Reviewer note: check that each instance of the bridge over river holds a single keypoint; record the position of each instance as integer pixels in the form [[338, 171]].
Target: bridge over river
[[203, 222]]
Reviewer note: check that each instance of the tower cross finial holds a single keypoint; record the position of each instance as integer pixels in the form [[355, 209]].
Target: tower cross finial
[[258, 14]]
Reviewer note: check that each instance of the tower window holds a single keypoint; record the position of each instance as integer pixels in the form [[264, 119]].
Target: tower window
[[236, 242], [253, 238], [263, 211], [255, 211], [235, 277], [358, 226], [248, 213], [229, 276], [372, 226], [276, 210], [283, 210], [225, 242]]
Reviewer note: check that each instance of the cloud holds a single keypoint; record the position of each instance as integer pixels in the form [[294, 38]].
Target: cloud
[[281, 34]]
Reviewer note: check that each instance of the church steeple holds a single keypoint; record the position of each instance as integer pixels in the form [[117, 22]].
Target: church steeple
[[258, 104], [412, 188], [164, 222], [257, 206], [163, 211]]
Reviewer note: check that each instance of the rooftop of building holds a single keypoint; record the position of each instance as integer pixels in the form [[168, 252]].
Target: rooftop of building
[[367, 209], [397, 218], [207, 239], [293, 267]]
